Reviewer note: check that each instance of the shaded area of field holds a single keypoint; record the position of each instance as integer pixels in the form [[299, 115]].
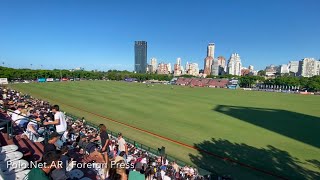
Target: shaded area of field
[[269, 158], [294, 125]]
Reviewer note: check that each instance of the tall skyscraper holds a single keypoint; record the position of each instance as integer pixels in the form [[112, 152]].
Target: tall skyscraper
[[140, 56], [209, 59], [177, 67], [210, 50], [234, 65]]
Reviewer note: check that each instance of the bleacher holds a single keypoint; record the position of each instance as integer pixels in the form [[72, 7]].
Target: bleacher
[[203, 82]]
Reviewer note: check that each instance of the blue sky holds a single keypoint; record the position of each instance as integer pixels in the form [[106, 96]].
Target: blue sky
[[100, 34]]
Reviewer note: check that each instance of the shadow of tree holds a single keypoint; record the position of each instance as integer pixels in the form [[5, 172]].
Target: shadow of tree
[[268, 159], [301, 127]]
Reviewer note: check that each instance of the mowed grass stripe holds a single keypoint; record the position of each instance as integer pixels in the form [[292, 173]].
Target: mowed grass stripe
[[177, 114]]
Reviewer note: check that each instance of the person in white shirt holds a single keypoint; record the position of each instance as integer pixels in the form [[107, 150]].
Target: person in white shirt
[[59, 120], [122, 144]]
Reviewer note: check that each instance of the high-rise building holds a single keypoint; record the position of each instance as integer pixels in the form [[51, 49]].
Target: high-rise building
[[179, 61], [192, 69], [222, 62], [308, 67], [293, 66], [215, 69], [162, 68], [169, 67], [209, 59], [182, 70], [154, 65], [187, 67], [140, 56], [234, 65], [284, 69], [177, 69], [210, 50]]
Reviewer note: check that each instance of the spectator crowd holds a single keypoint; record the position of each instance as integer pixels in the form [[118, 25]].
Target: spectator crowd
[[73, 142]]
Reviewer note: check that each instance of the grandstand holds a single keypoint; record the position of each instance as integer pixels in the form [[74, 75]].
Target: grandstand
[[203, 82]]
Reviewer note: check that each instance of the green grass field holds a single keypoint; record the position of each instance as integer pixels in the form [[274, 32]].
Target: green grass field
[[271, 131]]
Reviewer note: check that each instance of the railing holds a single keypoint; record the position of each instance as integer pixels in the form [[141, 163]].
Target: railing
[[8, 124], [142, 146]]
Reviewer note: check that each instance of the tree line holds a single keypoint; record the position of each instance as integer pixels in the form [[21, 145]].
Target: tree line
[[31, 74], [304, 83]]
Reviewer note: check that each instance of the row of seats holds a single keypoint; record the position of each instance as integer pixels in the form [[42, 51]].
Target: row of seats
[[12, 167]]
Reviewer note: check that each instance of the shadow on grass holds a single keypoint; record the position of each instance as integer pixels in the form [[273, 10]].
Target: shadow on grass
[[301, 127], [268, 159]]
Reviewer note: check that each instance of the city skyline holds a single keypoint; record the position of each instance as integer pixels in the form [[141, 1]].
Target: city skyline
[[58, 34]]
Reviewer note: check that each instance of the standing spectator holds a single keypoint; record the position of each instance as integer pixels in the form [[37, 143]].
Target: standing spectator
[[59, 120], [122, 144], [104, 138]]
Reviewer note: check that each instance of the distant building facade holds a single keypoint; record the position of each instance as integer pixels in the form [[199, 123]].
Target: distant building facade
[[153, 64], [162, 68], [272, 70], [284, 69], [308, 67], [216, 68], [192, 69], [177, 69], [293, 66], [140, 56], [234, 65]]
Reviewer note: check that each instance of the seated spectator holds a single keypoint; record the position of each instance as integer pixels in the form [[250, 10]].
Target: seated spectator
[[60, 173], [135, 174], [67, 135], [17, 117], [50, 160], [83, 142], [121, 170], [32, 132], [120, 157], [50, 146]]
